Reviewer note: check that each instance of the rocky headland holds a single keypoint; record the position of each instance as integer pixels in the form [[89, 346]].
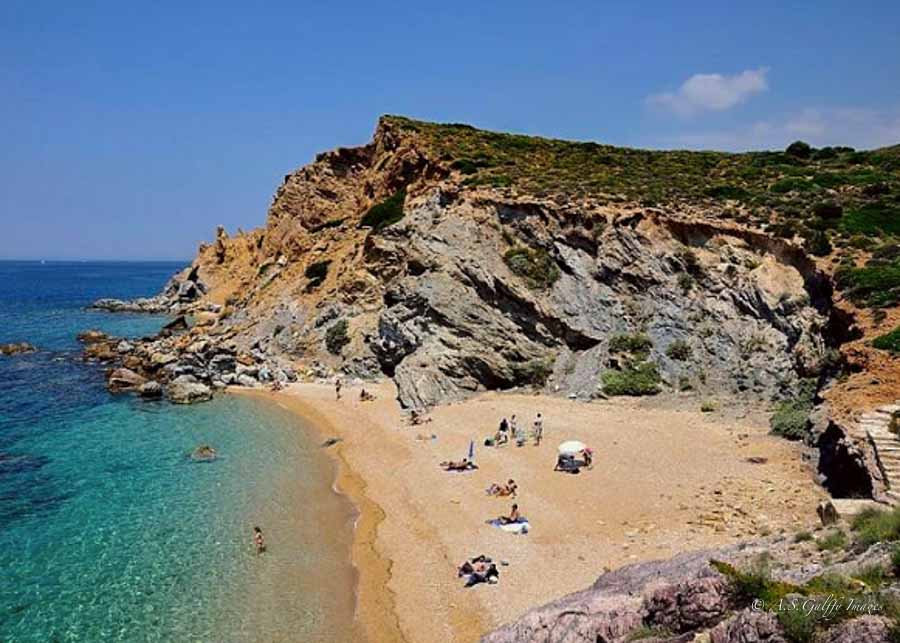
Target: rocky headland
[[455, 261]]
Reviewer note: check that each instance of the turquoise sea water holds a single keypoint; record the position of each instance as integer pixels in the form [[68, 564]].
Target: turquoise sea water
[[107, 530]]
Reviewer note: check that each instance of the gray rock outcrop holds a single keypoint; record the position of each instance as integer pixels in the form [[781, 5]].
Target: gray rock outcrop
[[186, 389]]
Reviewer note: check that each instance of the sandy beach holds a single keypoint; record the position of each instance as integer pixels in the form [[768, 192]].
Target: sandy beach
[[664, 480]]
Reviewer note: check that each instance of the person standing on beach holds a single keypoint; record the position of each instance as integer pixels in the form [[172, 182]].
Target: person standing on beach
[[337, 387], [538, 430], [258, 541]]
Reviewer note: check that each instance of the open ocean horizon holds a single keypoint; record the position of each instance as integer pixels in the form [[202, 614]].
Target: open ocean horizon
[[109, 532]]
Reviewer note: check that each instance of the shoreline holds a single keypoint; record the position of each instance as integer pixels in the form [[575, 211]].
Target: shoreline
[[651, 491], [375, 617]]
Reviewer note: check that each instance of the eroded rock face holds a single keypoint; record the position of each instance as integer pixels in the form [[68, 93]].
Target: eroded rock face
[[456, 319]]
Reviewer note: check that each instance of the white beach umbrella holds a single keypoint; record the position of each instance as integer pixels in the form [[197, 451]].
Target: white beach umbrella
[[571, 447]]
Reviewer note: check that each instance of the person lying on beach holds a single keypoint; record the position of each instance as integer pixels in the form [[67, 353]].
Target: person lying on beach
[[258, 541], [365, 396], [479, 570], [462, 465], [503, 490], [337, 388], [512, 518]]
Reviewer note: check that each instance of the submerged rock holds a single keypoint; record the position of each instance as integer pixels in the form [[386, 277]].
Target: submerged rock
[[16, 348], [204, 453], [186, 389]]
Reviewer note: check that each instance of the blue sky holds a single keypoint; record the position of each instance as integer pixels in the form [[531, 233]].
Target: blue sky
[[130, 130]]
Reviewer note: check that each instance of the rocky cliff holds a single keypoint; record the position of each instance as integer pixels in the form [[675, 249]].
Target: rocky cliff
[[480, 279]]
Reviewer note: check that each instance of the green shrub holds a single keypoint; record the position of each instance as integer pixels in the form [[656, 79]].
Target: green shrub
[[730, 192], [803, 536], [316, 273], [889, 341], [875, 525], [336, 336], [895, 559], [833, 541], [873, 575], [679, 350], [799, 149], [636, 379], [817, 244], [637, 344], [685, 282], [647, 632], [534, 372], [791, 185], [386, 213], [708, 406], [799, 625], [464, 166], [791, 417], [828, 210], [872, 219], [875, 285], [534, 265]]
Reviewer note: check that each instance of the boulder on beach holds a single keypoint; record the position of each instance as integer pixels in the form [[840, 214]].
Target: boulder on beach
[[186, 389], [204, 453], [124, 379], [16, 348]]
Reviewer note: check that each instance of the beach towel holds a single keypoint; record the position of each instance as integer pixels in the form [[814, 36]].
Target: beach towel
[[520, 527]]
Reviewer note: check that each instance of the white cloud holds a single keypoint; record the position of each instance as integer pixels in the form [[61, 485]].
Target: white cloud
[[712, 92], [858, 127]]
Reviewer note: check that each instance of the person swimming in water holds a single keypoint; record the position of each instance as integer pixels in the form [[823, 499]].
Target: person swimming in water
[[258, 541]]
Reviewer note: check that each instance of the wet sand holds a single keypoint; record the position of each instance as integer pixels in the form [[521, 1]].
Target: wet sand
[[665, 480]]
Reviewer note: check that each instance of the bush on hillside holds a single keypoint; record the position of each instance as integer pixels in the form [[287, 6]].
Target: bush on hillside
[[316, 273], [386, 213], [636, 379], [679, 350], [889, 341], [791, 417], [637, 344], [336, 337], [536, 266], [799, 149], [534, 372]]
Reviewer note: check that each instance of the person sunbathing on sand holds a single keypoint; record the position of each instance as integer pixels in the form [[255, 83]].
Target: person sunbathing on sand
[[509, 489], [512, 518], [365, 396], [462, 465]]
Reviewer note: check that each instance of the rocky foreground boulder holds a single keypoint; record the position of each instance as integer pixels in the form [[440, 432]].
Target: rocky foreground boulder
[[689, 598]]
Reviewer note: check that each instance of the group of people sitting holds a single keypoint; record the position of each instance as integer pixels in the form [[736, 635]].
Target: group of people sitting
[[480, 569], [569, 462], [510, 430]]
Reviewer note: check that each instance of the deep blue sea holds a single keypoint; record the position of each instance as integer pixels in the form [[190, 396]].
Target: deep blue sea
[[109, 533]]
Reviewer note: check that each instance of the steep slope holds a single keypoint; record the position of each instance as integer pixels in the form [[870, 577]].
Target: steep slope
[[503, 269]]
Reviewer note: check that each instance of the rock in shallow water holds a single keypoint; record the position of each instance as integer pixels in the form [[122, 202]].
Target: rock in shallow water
[[151, 390], [16, 349], [186, 389], [123, 379]]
